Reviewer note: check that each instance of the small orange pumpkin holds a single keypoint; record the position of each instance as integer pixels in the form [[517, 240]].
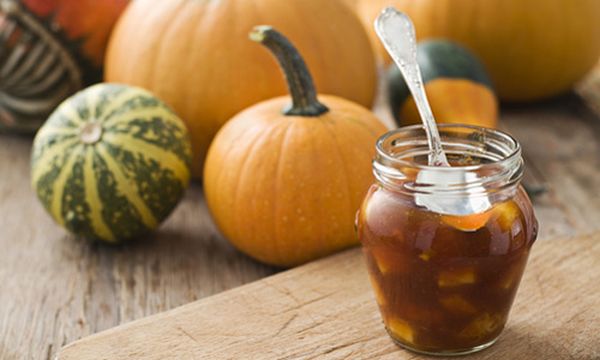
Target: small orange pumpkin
[[284, 187]]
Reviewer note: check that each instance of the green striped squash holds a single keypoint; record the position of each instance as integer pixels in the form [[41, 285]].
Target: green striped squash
[[111, 162]]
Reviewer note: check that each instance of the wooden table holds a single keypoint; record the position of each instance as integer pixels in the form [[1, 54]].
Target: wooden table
[[326, 310], [55, 288]]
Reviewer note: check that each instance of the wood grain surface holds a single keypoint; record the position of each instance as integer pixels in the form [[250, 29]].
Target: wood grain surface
[[55, 289], [325, 310]]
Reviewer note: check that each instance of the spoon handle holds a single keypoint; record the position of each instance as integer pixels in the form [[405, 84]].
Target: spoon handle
[[437, 157], [397, 33]]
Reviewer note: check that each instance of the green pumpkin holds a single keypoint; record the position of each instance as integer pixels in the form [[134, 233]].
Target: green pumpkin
[[111, 162], [457, 86]]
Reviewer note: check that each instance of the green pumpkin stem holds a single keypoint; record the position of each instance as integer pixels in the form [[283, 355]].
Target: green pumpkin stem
[[300, 82]]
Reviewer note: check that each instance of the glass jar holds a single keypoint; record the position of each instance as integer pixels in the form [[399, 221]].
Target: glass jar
[[446, 247]]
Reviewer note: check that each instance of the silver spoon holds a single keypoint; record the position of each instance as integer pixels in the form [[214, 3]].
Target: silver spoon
[[397, 33]]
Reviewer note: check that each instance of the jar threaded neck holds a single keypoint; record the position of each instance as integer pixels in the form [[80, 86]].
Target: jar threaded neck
[[485, 161]]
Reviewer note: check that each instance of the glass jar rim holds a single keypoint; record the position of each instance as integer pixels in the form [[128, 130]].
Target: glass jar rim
[[514, 154], [496, 165]]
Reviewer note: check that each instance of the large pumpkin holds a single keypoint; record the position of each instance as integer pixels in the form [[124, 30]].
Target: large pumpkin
[[283, 182], [533, 49], [49, 50], [111, 162], [196, 55]]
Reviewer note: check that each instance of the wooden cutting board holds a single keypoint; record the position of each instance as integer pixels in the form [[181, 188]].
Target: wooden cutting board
[[325, 310]]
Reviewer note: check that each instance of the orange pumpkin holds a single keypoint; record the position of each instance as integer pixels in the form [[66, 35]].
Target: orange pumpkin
[[284, 186], [533, 49], [195, 56]]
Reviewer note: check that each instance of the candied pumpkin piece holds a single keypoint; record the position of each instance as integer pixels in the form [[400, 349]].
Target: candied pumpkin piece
[[507, 282], [418, 314], [426, 255], [378, 291], [467, 223], [506, 213], [401, 330], [457, 304], [457, 277], [388, 260], [482, 326]]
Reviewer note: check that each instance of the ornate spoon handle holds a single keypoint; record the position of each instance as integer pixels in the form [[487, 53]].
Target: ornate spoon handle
[[397, 33]]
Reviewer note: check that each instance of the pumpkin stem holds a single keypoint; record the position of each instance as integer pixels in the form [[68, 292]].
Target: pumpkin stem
[[300, 82]]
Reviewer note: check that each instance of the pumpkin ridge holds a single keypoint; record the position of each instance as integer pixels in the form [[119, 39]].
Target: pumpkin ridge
[[75, 210], [44, 186], [93, 102], [98, 100], [130, 192], [120, 99], [341, 159], [68, 115], [242, 177], [169, 160], [47, 156], [135, 106], [117, 211], [311, 151], [61, 133], [155, 132], [278, 187], [161, 50], [220, 172], [91, 193], [158, 186], [55, 137], [320, 234], [137, 120], [58, 187]]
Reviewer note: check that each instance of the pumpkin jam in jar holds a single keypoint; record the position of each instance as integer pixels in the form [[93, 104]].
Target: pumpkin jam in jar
[[445, 257]]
